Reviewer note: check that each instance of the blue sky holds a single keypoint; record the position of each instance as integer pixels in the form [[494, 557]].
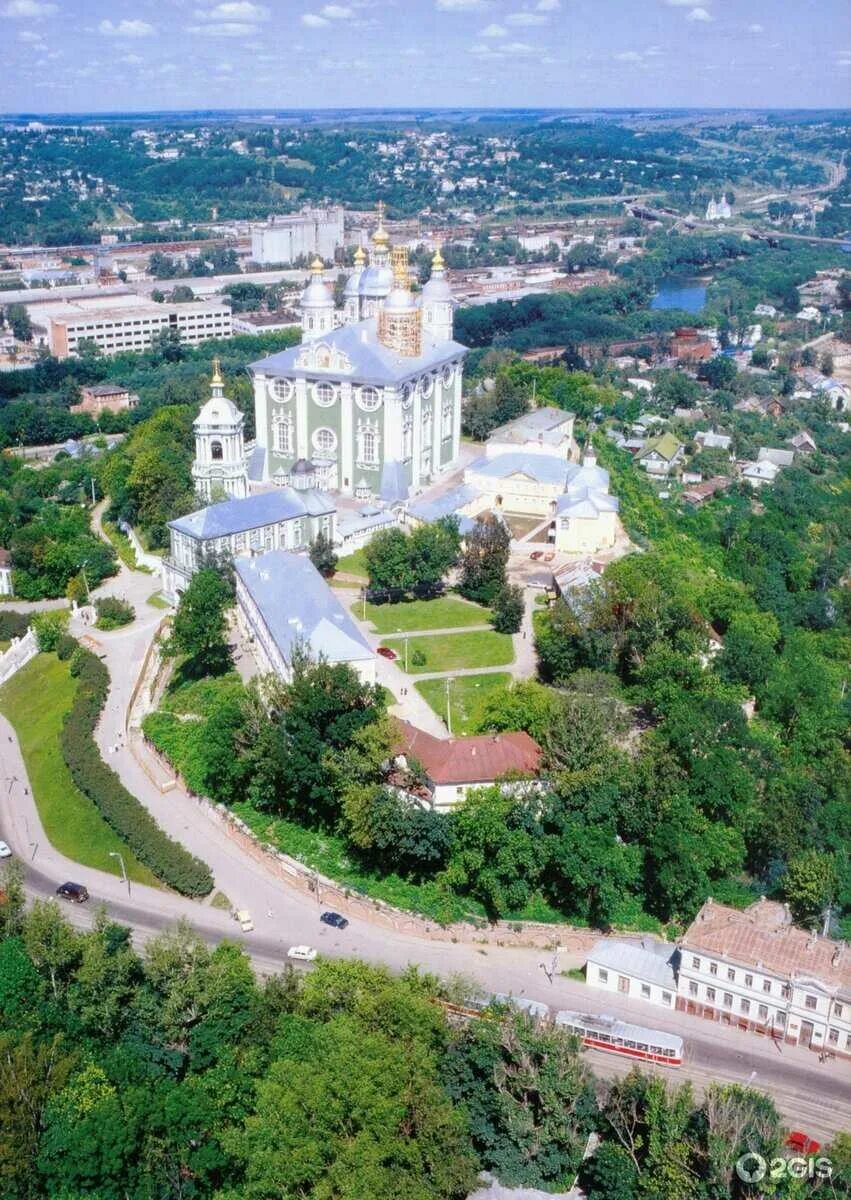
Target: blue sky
[[70, 55]]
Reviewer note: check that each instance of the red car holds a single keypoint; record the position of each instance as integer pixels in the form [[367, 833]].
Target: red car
[[536, 554], [386, 652], [801, 1143]]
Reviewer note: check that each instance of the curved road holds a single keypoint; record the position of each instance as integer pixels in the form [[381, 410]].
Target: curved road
[[813, 1096]]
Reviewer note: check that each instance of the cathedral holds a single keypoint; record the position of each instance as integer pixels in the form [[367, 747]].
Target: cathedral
[[369, 405]]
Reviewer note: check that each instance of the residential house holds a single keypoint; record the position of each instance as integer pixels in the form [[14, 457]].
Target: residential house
[[708, 439], [757, 474], [756, 970], [546, 430], [285, 606], [780, 458], [687, 345], [661, 455], [699, 493], [803, 443], [104, 397], [574, 580], [453, 766], [645, 970]]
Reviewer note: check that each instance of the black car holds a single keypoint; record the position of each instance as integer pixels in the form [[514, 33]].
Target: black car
[[332, 918], [73, 891]]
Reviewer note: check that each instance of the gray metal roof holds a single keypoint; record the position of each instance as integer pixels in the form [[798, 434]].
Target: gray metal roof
[[298, 607], [648, 960], [372, 361], [445, 505], [586, 502], [256, 463], [394, 485], [265, 508], [533, 425], [543, 468]]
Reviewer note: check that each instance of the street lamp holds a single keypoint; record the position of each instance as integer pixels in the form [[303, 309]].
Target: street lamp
[[116, 854]]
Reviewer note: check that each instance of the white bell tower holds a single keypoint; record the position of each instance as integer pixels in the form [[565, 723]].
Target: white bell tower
[[437, 303], [317, 305], [220, 464]]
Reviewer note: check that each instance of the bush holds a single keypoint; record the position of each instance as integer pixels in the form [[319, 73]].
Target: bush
[[13, 624], [49, 627], [113, 613], [169, 861], [508, 609], [65, 646]]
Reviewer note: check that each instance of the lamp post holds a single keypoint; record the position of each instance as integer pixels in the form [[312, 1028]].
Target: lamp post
[[447, 687], [119, 856]]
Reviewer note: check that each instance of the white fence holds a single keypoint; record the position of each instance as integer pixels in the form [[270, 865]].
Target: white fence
[[143, 558], [18, 655]]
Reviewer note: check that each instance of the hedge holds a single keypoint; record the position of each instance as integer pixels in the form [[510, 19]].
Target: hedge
[[13, 624], [168, 860]]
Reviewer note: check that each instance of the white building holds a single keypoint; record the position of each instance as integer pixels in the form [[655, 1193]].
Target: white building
[[6, 588], [645, 970], [285, 606], [220, 466], [311, 232], [546, 430], [758, 971], [135, 326]]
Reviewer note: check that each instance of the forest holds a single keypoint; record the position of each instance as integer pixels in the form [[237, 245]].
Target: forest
[[176, 1071]]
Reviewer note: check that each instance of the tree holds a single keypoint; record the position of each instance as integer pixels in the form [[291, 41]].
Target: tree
[[750, 649], [484, 560], [388, 562], [591, 871], [523, 704], [433, 550], [18, 320], [508, 609], [809, 886], [199, 629], [529, 1096], [49, 628], [719, 372], [497, 849], [322, 554]]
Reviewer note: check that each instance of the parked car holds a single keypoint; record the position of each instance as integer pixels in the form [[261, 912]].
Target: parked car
[[536, 555], [5, 850], [243, 916], [74, 892], [335, 919], [386, 652], [302, 953], [802, 1143]]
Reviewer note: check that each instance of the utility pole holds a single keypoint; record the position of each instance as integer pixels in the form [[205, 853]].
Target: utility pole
[[448, 704], [92, 481], [406, 653], [124, 878]]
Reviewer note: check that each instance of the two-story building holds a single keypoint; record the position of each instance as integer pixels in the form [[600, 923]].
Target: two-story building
[[756, 970]]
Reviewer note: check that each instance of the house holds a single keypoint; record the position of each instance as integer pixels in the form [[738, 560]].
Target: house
[[691, 477], [708, 439], [519, 481], [5, 573], [687, 345], [104, 397], [284, 605], [585, 517], [545, 430], [576, 579], [756, 970], [802, 443], [765, 310], [453, 766], [780, 458], [699, 493], [645, 970], [758, 474], [808, 313], [661, 455], [689, 414], [285, 519]]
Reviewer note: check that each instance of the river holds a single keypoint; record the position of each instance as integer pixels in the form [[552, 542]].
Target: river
[[683, 292]]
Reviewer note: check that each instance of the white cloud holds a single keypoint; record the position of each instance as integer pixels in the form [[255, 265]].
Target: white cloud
[[629, 56], [31, 37], [314, 21], [518, 48], [680, 3], [126, 29], [337, 12], [132, 60], [234, 12], [494, 31], [29, 8], [461, 5], [548, 5], [699, 14], [525, 18], [756, 28]]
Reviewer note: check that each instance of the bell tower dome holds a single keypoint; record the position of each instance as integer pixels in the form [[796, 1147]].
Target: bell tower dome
[[220, 466], [317, 305], [437, 303]]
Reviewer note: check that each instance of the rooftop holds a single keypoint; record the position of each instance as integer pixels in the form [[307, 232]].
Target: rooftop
[[665, 446], [649, 959], [264, 508], [298, 607], [541, 424], [763, 936], [471, 759], [542, 468]]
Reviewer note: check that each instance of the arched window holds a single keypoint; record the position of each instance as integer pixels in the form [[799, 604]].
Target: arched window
[[282, 434], [325, 441], [216, 452], [407, 437], [283, 389], [426, 432], [368, 398], [324, 394], [370, 446]]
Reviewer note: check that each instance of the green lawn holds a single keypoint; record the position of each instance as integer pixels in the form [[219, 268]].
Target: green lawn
[[157, 600], [35, 700], [354, 564], [124, 548], [409, 616], [455, 651], [467, 695]]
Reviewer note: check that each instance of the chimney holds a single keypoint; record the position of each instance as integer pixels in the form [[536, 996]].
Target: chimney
[[812, 939], [836, 956]]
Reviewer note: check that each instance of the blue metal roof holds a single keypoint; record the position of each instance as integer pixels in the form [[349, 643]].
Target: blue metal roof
[[445, 505], [265, 508], [256, 463], [298, 607], [543, 468], [372, 361], [394, 485]]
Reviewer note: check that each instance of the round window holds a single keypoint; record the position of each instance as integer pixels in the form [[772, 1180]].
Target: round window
[[369, 399], [447, 375], [325, 441], [282, 389], [427, 385], [324, 394]]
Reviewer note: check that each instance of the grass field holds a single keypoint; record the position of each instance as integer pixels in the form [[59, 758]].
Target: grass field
[[466, 696], [124, 548], [35, 700], [409, 616], [455, 651], [354, 564], [157, 600]]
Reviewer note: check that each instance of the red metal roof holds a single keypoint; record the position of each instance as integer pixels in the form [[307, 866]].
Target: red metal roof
[[478, 759]]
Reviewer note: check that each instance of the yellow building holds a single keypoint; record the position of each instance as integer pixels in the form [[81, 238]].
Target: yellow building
[[585, 518]]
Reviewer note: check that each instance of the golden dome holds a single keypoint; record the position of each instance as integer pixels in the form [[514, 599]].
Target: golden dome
[[437, 262], [360, 257], [381, 237], [317, 266], [217, 380]]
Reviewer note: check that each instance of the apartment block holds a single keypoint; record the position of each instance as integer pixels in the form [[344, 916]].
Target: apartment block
[[114, 330]]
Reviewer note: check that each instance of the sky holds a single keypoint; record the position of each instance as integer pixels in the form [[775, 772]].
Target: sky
[[101, 55]]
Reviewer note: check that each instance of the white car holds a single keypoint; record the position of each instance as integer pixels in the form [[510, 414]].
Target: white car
[[243, 916], [302, 953], [5, 851]]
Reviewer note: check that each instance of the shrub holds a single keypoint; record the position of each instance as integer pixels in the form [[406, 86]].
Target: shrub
[[13, 624], [65, 646], [49, 627], [169, 861], [113, 613]]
